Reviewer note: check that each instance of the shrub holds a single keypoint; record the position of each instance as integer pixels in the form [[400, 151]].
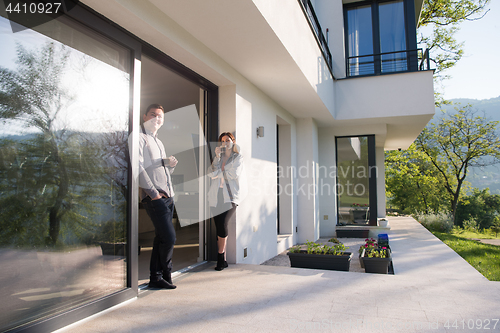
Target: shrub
[[471, 224], [440, 222], [479, 205], [495, 228]]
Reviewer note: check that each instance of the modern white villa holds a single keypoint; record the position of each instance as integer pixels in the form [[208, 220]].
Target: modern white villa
[[313, 90]]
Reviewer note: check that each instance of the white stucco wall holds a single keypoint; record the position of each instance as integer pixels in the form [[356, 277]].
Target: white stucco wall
[[331, 17], [327, 182], [286, 179], [398, 95], [256, 228], [301, 44], [307, 181]]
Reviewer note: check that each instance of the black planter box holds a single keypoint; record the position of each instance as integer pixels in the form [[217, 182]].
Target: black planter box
[[321, 261], [114, 249], [377, 265], [352, 233]]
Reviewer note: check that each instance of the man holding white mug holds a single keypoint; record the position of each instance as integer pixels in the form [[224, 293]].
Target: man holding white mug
[[157, 193]]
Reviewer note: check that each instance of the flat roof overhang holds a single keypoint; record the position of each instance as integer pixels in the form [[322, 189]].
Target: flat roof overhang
[[247, 35], [394, 107]]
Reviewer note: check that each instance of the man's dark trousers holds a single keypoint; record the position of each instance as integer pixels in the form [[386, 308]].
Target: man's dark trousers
[[161, 212]]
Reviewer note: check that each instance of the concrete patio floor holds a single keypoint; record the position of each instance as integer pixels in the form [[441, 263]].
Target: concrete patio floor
[[432, 287]]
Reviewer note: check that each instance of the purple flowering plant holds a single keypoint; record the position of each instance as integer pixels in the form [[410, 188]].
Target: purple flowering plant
[[370, 244]]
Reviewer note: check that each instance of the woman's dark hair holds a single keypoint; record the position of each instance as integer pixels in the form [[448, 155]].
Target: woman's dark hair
[[231, 136]]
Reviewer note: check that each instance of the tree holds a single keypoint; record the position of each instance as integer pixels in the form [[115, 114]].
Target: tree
[[412, 183], [53, 179], [442, 18], [457, 142], [480, 205], [33, 95]]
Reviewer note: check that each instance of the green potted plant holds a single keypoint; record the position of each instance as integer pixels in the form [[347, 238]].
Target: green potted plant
[[377, 260], [370, 243], [320, 256]]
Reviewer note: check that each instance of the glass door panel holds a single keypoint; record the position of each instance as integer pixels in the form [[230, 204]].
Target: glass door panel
[[183, 136], [63, 169]]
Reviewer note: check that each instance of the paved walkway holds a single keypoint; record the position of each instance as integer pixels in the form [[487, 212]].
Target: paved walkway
[[432, 286], [488, 241]]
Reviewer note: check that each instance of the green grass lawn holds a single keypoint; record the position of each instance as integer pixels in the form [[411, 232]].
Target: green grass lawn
[[483, 257], [484, 234]]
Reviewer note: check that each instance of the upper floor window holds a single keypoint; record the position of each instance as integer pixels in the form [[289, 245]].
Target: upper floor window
[[377, 38]]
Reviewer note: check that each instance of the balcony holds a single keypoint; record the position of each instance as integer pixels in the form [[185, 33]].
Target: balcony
[[388, 63], [310, 14]]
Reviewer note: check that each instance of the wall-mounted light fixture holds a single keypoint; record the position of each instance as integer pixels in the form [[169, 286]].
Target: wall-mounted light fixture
[[260, 131]]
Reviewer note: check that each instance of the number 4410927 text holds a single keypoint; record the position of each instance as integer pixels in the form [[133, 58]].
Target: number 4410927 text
[[33, 8]]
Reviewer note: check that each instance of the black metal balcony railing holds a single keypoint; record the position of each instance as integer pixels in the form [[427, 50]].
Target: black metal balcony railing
[[425, 61], [388, 62], [316, 27]]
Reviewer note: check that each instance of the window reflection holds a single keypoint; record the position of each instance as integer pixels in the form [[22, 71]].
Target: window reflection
[[360, 41], [376, 38], [63, 169], [392, 37], [353, 180]]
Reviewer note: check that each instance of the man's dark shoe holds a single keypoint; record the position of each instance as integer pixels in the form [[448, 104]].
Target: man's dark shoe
[[167, 276], [161, 283]]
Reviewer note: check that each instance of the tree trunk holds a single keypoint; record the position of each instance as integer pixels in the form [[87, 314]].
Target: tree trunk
[[423, 197], [55, 211]]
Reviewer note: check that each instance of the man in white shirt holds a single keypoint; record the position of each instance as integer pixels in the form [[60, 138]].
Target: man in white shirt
[[157, 196]]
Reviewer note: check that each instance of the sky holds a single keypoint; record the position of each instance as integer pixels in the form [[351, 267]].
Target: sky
[[477, 74]]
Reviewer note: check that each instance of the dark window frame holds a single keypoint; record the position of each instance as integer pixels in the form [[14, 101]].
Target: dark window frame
[[410, 35], [372, 183]]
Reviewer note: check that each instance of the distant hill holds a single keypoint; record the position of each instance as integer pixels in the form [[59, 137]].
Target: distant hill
[[487, 176], [491, 107]]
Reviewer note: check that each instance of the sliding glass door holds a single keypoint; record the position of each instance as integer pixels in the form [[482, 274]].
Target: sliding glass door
[[64, 109]]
